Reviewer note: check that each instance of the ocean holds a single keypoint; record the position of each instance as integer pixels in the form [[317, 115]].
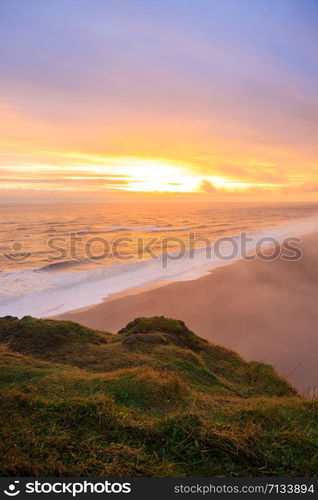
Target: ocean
[[58, 257]]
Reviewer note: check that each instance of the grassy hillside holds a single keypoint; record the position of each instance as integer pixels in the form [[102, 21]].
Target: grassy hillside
[[152, 400]]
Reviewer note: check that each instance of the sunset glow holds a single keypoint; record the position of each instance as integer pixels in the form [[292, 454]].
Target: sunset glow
[[126, 174], [222, 104]]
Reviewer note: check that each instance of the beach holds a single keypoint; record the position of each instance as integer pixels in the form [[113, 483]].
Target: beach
[[264, 310]]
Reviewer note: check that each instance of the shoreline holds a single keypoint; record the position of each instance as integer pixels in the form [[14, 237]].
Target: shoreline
[[264, 310]]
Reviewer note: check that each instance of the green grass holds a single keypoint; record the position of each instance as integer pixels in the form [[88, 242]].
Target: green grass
[[154, 400]]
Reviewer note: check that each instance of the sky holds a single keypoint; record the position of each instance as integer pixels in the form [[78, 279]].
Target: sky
[[210, 99]]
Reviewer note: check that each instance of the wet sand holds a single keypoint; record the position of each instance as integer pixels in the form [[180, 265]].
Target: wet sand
[[264, 310]]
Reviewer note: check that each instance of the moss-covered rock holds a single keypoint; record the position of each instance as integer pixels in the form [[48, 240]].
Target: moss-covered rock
[[44, 338], [170, 330]]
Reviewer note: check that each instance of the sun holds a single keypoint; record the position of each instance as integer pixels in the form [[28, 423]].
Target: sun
[[157, 176], [148, 175]]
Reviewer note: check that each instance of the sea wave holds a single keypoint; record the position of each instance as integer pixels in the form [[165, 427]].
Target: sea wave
[[57, 266]]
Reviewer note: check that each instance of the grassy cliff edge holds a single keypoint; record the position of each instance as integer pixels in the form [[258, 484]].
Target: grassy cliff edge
[[152, 400]]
